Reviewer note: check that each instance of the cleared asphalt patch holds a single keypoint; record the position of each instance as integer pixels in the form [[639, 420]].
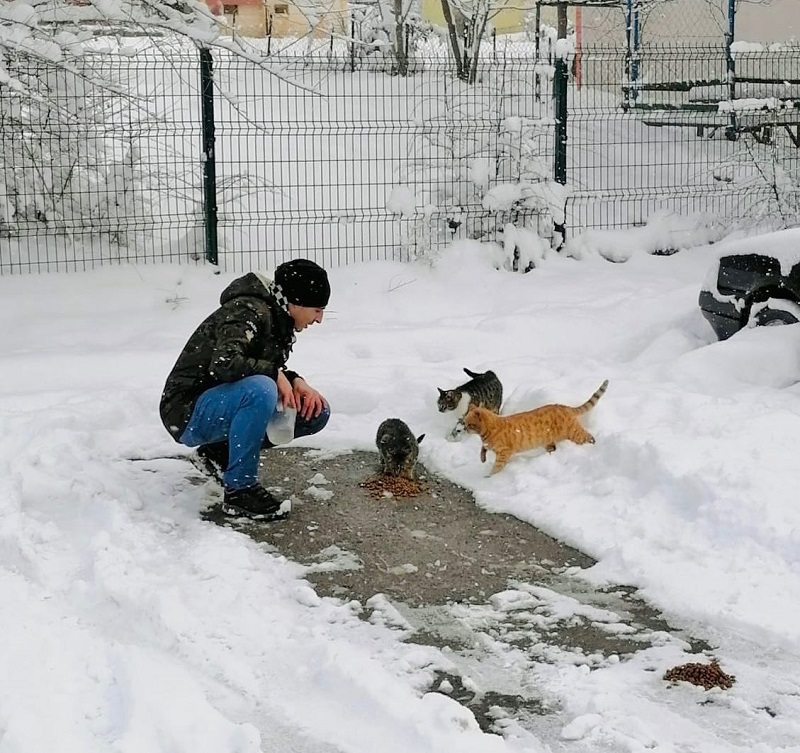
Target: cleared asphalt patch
[[455, 572]]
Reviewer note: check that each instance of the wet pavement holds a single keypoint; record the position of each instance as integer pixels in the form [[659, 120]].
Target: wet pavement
[[474, 583]]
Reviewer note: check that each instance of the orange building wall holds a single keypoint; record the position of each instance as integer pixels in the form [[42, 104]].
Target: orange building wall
[[282, 18]]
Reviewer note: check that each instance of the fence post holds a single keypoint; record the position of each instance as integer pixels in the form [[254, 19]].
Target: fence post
[[731, 132], [578, 46], [538, 48], [209, 160], [560, 102], [632, 44]]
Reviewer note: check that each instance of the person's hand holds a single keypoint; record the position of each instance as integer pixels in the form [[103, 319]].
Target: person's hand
[[309, 402], [285, 392]]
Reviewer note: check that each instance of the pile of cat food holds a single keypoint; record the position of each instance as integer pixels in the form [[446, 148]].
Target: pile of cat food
[[705, 675], [384, 485]]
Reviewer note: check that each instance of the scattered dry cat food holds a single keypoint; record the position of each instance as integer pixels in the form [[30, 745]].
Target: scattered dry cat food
[[383, 485], [705, 675]]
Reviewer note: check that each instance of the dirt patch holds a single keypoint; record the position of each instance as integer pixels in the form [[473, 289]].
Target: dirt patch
[[474, 583], [433, 548]]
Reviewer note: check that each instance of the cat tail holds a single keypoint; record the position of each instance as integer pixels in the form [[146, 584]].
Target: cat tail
[[592, 401], [475, 374]]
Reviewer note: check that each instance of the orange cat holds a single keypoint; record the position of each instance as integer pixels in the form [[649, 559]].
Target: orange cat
[[542, 427]]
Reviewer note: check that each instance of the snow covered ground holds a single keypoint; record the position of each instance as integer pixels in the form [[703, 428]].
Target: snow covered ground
[[129, 624]]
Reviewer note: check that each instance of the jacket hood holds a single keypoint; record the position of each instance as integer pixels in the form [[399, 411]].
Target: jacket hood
[[251, 285]]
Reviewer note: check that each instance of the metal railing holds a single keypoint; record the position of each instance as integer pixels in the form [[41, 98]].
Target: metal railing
[[314, 155], [691, 141], [311, 156]]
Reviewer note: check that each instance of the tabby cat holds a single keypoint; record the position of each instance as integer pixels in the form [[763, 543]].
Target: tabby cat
[[517, 432], [483, 389], [398, 448]]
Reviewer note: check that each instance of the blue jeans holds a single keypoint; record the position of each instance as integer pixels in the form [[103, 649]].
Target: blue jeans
[[238, 413]]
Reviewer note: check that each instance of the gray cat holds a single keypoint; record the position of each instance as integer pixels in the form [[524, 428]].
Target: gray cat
[[398, 448], [483, 389]]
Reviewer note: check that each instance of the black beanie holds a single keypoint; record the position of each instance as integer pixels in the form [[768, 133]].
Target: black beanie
[[304, 283]]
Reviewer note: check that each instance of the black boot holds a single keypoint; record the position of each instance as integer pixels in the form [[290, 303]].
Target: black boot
[[254, 502], [213, 459]]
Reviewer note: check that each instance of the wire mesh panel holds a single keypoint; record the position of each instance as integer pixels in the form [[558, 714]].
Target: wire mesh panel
[[643, 24], [683, 22], [100, 162], [333, 157], [322, 156], [692, 145]]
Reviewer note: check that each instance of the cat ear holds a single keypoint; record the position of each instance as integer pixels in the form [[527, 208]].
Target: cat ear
[[441, 391], [420, 438]]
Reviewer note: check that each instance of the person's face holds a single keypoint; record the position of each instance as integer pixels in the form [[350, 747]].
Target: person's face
[[303, 316]]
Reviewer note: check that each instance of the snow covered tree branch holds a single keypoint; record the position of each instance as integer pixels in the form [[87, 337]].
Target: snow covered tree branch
[[467, 23], [388, 28], [60, 91]]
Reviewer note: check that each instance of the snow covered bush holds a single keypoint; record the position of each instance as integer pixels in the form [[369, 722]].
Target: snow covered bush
[[467, 22], [765, 175], [386, 33], [61, 169], [62, 174], [481, 162]]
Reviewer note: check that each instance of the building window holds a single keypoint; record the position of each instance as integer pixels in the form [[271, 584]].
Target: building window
[[282, 9]]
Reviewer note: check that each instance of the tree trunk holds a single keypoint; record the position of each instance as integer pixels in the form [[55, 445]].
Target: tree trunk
[[400, 45], [453, 34]]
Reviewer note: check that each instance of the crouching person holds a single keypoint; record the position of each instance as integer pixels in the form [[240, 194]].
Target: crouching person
[[231, 378]]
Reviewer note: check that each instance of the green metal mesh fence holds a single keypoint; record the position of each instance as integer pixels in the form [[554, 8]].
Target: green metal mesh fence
[[330, 156]]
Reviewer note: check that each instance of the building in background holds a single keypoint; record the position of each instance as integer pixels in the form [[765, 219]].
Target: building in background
[[661, 21], [508, 16], [282, 18]]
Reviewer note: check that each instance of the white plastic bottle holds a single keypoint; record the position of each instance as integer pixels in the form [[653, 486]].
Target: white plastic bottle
[[280, 428]]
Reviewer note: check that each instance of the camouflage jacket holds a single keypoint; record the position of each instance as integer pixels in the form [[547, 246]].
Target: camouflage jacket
[[248, 334]]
